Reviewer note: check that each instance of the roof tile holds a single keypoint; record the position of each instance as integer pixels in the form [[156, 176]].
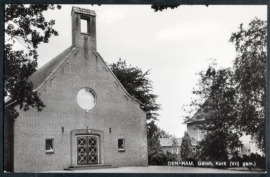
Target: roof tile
[[84, 11], [42, 73], [169, 141]]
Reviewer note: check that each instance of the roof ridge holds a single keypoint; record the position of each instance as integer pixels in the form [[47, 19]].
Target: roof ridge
[[118, 79], [52, 72], [83, 11], [49, 62]]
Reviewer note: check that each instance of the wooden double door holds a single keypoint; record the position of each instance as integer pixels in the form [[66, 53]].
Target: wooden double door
[[87, 149]]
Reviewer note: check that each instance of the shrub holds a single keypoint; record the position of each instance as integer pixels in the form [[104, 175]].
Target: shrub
[[260, 160], [159, 159], [170, 156]]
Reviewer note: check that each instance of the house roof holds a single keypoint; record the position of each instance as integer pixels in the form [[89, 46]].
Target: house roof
[[97, 54], [169, 141], [199, 115], [43, 73], [83, 11]]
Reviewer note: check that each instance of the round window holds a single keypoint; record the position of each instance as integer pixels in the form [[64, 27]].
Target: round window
[[86, 99]]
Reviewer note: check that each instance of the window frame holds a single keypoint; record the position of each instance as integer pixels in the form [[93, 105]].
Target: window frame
[[87, 19], [124, 145], [200, 135], [48, 151], [93, 94]]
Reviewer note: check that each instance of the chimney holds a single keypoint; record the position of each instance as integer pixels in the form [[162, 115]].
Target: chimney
[[84, 38]]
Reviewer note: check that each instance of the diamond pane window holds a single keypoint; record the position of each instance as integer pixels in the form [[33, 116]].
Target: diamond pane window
[[87, 150], [121, 144], [86, 99], [49, 146]]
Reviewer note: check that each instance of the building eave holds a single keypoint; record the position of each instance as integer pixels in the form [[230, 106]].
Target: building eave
[[118, 80]]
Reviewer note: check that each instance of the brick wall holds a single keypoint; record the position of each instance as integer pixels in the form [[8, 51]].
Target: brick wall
[[114, 109]]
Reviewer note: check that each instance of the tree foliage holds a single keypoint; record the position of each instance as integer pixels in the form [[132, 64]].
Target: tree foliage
[[161, 7], [186, 147], [137, 85], [25, 25], [163, 134], [250, 76], [154, 146], [233, 101], [219, 146], [217, 113]]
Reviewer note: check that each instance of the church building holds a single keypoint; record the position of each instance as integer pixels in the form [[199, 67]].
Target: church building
[[90, 120]]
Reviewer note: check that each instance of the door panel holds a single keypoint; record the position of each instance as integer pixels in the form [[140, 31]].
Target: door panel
[[87, 150], [92, 150]]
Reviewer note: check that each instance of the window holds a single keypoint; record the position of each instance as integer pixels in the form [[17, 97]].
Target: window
[[200, 135], [86, 99], [239, 149], [49, 146], [121, 144], [84, 26]]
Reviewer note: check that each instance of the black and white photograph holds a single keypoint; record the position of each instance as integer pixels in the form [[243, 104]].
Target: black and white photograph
[[135, 88]]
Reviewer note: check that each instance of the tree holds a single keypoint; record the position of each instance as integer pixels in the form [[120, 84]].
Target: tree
[[233, 101], [25, 25], [171, 155], [217, 113], [250, 74], [137, 85], [186, 147], [164, 134], [154, 147], [214, 146], [162, 6]]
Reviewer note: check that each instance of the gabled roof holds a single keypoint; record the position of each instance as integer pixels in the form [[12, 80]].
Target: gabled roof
[[169, 141], [97, 54], [43, 73], [199, 114]]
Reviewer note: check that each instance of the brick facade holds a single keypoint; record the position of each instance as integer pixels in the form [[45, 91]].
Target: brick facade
[[116, 114]]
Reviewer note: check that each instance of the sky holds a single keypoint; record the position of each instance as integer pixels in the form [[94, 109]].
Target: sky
[[174, 45]]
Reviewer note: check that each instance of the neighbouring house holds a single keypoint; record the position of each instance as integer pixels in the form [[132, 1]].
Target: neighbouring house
[[247, 147], [171, 145], [89, 119]]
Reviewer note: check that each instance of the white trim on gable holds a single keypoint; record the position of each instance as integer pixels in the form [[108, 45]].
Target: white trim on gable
[[54, 70], [98, 55]]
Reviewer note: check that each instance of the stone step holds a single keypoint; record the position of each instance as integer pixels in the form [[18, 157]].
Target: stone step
[[88, 167]]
